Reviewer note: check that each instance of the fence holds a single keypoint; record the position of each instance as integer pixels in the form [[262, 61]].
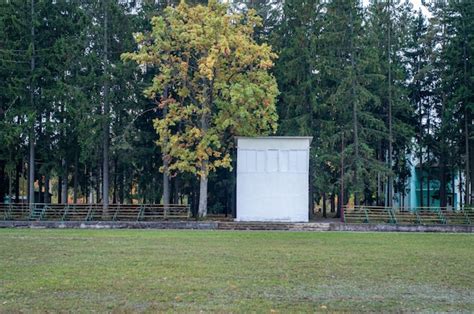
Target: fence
[[94, 212], [408, 216], [157, 212]]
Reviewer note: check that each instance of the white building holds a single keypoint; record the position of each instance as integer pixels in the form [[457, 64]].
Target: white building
[[272, 178]]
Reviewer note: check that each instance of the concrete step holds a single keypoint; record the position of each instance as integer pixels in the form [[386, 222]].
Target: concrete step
[[273, 226]]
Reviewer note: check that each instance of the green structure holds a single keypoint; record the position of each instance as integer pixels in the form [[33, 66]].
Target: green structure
[[431, 193]]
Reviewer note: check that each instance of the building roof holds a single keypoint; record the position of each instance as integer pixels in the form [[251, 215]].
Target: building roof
[[310, 138]]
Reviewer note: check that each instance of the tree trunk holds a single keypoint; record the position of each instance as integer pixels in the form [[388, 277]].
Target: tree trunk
[[333, 202], [460, 206], [158, 189], [311, 197], [91, 187], [114, 195], [86, 185], [234, 185], [166, 184], [106, 126], [390, 131], [428, 190], [17, 182], [3, 187], [443, 181], [467, 170], [309, 104], [195, 199], [10, 185], [40, 190], [420, 133], [130, 189], [166, 179], [202, 210], [467, 121], [121, 186], [453, 184], [64, 183], [176, 190], [97, 185], [31, 165], [354, 115], [339, 205], [471, 175], [403, 199], [340, 198], [379, 194], [429, 166], [31, 170], [60, 189], [443, 144], [228, 200], [75, 179], [203, 180], [324, 205], [127, 191], [377, 197], [46, 189], [233, 205], [421, 163]]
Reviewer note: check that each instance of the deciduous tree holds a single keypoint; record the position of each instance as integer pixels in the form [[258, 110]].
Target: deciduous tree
[[217, 80]]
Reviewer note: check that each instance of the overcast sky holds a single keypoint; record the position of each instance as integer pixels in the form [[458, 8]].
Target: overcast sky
[[417, 4]]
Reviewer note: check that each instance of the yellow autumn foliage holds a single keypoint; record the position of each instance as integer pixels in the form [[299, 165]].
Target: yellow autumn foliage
[[217, 78]]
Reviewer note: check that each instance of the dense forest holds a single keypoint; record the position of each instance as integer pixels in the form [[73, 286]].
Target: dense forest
[[380, 87]]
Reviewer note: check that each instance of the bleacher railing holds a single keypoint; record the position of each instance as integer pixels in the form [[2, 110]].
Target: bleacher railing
[[94, 212], [157, 212], [409, 216]]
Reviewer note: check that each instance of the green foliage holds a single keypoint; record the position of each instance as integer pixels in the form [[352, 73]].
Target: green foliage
[[14, 67], [217, 79], [213, 76]]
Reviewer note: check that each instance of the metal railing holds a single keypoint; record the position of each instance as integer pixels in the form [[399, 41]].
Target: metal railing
[[157, 212], [408, 216], [94, 212]]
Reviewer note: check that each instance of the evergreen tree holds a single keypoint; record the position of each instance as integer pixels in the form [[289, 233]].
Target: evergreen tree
[[419, 47], [297, 72], [14, 78], [348, 70], [395, 109], [452, 28]]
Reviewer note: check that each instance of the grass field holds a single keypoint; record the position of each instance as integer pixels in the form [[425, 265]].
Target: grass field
[[146, 270]]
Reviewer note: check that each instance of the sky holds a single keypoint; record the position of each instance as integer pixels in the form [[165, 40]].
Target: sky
[[417, 4]]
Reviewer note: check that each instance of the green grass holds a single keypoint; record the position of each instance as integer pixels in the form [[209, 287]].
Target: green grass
[[147, 270]]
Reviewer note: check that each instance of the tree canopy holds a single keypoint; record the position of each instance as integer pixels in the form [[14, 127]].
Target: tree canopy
[[213, 81], [96, 98]]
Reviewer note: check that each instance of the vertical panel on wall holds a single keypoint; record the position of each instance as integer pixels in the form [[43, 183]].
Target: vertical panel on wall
[[284, 160], [251, 161], [301, 161], [293, 161], [260, 161], [242, 161], [272, 160]]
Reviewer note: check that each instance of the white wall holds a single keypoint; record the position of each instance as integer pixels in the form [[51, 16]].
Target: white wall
[[272, 178]]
